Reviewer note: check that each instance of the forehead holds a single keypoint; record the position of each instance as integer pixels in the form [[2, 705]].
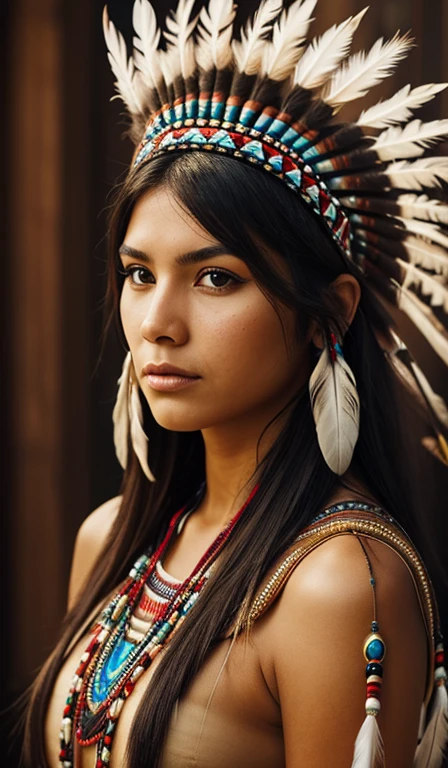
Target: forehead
[[158, 219]]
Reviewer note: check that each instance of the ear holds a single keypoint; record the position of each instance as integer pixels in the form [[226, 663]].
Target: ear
[[349, 291]]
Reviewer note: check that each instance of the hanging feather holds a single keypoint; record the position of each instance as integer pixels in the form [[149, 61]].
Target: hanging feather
[[364, 70], [431, 750], [369, 747], [120, 415], [249, 51], [122, 67], [146, 42], [324, 53], [335, 405], [410, 141], [425, 172], [399, 107], [138, 437], [282, 54]]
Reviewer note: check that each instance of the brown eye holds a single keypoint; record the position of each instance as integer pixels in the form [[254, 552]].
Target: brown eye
[[219, 279]]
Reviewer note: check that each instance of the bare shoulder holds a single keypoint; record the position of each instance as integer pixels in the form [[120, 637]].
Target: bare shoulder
[[316, 634], [90, 540]]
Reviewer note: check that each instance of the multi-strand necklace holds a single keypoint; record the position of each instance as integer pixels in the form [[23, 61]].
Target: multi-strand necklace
[[133, 628]]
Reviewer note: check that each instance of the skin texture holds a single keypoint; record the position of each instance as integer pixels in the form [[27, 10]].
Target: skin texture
[[294, 695], [233, 339]]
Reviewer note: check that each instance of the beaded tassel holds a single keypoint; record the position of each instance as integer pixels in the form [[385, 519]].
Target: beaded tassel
[[369, 747]]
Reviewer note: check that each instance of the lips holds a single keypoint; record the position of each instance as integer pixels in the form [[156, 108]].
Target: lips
[[165, 369]]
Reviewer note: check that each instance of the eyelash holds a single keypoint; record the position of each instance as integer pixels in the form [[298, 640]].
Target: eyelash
[[130, 271]]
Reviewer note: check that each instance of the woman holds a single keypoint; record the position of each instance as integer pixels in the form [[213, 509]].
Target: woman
[[260, 524]]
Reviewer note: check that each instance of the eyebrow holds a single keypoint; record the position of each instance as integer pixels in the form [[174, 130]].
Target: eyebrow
[[190, 257]]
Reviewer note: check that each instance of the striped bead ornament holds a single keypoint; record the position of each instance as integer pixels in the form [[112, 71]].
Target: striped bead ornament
[[374, 652]]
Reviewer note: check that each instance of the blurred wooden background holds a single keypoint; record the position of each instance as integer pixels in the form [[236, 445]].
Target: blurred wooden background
[[62, 152]]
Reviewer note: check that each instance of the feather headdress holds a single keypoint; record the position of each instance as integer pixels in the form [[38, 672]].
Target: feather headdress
[[271, 99]]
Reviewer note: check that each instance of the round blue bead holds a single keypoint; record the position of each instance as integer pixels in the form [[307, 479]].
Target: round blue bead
[[375, 650]]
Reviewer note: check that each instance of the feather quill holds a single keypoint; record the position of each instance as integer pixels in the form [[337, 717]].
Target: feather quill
[[364, 70], [369, 747], [411, 140], [213, 46], [249, 51], [324, 53], [122, 67], [399, 107], [425, 172], [290, 30], [335, 404]]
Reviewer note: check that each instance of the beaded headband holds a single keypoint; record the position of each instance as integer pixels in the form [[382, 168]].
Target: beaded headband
[[271, 100]]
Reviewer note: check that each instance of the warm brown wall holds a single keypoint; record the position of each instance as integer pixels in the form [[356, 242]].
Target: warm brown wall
[[62, 154]]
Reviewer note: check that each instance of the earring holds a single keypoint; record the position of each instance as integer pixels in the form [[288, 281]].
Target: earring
[[127, 418], [335, 407]]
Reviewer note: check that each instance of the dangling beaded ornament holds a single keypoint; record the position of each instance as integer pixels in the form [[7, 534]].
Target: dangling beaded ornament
[[138, 622], [369, 748]]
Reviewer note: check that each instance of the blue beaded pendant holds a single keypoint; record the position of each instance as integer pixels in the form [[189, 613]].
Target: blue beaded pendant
[[374, 647]]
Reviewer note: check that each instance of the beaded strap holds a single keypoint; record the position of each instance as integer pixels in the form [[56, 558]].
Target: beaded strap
[[364, 520]]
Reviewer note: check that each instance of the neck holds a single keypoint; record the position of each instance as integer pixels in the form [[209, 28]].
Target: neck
[[230, 462]]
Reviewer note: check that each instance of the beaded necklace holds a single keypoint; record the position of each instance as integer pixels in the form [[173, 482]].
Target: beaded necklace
[[133, 628], [119, 652]]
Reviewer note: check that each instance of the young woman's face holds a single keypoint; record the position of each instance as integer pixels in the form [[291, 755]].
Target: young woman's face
[[207, 317]]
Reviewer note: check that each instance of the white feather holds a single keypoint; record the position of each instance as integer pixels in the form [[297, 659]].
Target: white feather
[[178, 34], [364, 70], [430, 232], [409, 141], [437, 402], [369, 747], [422, 207], [424, 320], [430, 752], [335, 405], [399, 107], [146, 42], [120, 414], [425, 172], [122, 67], [281, 56], [249, 51], [138, 437], [426, 255], [410, 370], [213, 47], [432, 287], [324, 53]]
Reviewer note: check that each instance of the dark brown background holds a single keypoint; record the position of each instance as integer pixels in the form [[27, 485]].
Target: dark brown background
[[61, 154]]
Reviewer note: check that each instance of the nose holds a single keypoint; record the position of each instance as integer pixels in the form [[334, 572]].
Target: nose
[[165, 315]]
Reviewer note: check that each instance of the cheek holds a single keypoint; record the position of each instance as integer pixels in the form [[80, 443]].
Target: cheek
[[130, 316], [250, 349]]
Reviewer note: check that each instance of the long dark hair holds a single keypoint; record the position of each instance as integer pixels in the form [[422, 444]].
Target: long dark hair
[[245, 209]]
